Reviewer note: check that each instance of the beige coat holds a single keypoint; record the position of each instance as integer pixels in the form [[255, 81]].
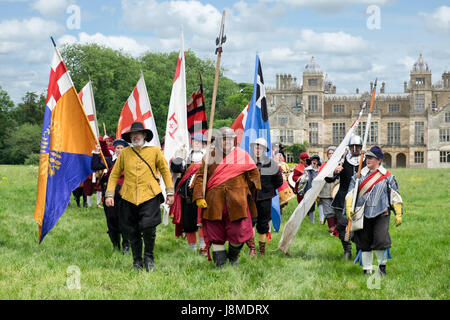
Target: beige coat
[[236, 193]]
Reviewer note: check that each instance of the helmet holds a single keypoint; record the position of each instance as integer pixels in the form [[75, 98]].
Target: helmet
[[261, 142], [355, 140], [226, 132]]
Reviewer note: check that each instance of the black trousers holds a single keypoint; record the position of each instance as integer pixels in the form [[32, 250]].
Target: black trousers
[[375, 234], [112, 215], [134, 219], [341, 223], [189, 215], [264, 208], [78, 193]]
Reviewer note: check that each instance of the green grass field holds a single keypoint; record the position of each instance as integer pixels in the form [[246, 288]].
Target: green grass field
[[419, 268]]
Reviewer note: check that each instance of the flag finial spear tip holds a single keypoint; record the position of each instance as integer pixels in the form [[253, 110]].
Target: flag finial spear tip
[[53, 40]]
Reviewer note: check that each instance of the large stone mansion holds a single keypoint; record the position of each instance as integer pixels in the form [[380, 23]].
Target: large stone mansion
[[412, 127]]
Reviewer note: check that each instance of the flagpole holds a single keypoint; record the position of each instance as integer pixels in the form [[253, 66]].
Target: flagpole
[[80, 102], [219, 41], [361, 159], [93, 106]]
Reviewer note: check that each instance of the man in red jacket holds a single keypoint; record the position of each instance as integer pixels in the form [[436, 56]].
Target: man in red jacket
[[298, 172]]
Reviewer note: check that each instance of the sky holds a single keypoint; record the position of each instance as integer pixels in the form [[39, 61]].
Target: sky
[[353, 41]]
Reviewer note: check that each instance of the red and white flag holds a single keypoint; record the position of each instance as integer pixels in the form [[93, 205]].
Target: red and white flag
[[138, 108], [196, 113], [177, 135], [87, 98], [239, 124]]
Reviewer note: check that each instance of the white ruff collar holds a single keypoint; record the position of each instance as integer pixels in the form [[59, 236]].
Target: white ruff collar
[[354, 161], [146, 144], [197, 156]]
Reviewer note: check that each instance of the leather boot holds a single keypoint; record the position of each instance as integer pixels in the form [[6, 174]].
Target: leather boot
[[252, 247], [115, 240], [125, 246], [382, 270], [220, 258], [149, 242], [136, 250], [347, 245], [262, 248], [233, 253]]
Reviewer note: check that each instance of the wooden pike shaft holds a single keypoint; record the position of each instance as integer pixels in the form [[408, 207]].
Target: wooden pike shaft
[[361, 160], [213, 106]]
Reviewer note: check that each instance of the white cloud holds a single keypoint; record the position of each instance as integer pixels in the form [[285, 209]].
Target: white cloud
[[9, 47], [21, 41], [52, 8], [331, 42], [165, 18], [33, 29], [406, 62], [438, 21], [284, 55], [327, 6], [126, 44]]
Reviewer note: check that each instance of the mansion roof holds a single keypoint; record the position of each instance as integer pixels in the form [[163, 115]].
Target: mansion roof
[[359, 97]]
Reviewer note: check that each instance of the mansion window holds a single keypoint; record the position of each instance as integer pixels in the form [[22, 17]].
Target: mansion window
[[447, 117], [444, 135], [394, 108], [338, 108], [313, 133], [338, 132], [419, 133], [373, 132], [312, 104], [283, 120], [312, 82], [393, 134], [420, 102], [289, 157], [444, 156], [420, 81], [433, 105], [418, 157], [286, 136]]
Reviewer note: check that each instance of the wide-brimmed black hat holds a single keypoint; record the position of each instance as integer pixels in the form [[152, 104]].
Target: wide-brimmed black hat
[[136, 127], [309, 161]]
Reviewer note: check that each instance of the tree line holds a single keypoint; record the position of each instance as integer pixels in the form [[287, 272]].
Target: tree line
[[114, 74]]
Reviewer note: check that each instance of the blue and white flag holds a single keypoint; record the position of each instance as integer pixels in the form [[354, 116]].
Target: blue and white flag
[[257, 126]]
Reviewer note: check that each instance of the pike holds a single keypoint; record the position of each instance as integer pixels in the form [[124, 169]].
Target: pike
[[219, 41], [361, 159], [294, 222]]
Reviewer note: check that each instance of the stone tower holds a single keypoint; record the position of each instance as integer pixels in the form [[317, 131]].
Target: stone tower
[[420, 86], [313, 89]]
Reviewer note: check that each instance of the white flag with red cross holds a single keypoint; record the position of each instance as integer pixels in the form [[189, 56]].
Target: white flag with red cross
[[138, 108], [87, 98]]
